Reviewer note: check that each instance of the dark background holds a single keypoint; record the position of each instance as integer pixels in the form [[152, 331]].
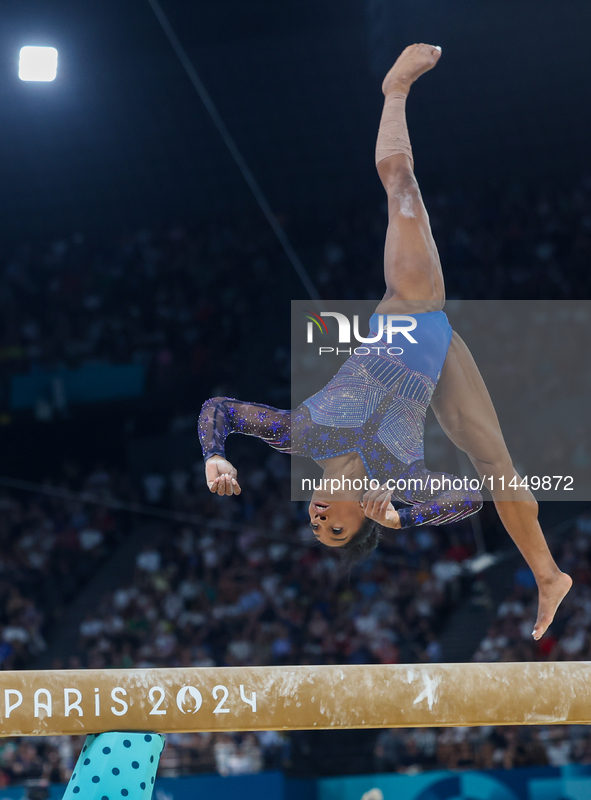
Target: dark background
[[121, 139]]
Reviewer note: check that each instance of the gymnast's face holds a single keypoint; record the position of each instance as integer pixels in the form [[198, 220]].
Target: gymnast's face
[[336, 522]]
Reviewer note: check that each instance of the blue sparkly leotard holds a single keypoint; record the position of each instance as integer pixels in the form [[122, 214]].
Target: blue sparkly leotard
[[375, 406]]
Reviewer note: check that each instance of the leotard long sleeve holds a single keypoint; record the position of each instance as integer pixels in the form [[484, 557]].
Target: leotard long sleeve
[[221, 416]]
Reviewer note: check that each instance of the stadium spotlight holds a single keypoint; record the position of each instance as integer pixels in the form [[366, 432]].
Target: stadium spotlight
[[37, 64]]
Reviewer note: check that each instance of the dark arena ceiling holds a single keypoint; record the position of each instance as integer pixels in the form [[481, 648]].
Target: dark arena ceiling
[[122, 139]]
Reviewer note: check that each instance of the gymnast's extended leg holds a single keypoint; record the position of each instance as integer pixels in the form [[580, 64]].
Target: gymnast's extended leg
[[414, 281], [463, 407]]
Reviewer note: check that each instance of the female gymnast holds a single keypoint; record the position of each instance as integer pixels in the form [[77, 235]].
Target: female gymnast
[[368, 421]]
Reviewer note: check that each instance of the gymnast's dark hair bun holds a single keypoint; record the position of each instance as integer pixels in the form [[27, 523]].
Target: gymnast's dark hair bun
[[360, 546]]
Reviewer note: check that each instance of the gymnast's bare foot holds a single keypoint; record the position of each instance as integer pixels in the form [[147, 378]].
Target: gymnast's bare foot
[[413, 62], [551, 595]]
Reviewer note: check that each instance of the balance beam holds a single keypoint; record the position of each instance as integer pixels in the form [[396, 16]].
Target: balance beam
[[39, 703]]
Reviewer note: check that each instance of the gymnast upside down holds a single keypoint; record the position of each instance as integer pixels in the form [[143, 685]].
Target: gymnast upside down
[[368, 421]]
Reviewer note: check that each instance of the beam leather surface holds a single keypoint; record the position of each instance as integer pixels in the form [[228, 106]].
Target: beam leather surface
[[294, 698]]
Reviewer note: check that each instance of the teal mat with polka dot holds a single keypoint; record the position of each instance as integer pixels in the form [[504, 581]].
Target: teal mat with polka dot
[[113, 766]]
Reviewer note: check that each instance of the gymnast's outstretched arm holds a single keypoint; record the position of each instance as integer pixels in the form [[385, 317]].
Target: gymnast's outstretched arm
[[221, 416], [465, 411]]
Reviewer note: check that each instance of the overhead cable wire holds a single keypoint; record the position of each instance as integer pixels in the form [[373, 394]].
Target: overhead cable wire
[[234, 150]]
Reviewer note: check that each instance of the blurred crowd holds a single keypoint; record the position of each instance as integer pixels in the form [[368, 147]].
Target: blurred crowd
[[507, 243], [157, 298], [150, 298], [258, 590], [409, 752], [569, 638], [49, 548]]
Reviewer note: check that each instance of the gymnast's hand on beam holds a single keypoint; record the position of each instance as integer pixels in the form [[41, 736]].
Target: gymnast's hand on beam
[[377, 506], [221, 476]]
